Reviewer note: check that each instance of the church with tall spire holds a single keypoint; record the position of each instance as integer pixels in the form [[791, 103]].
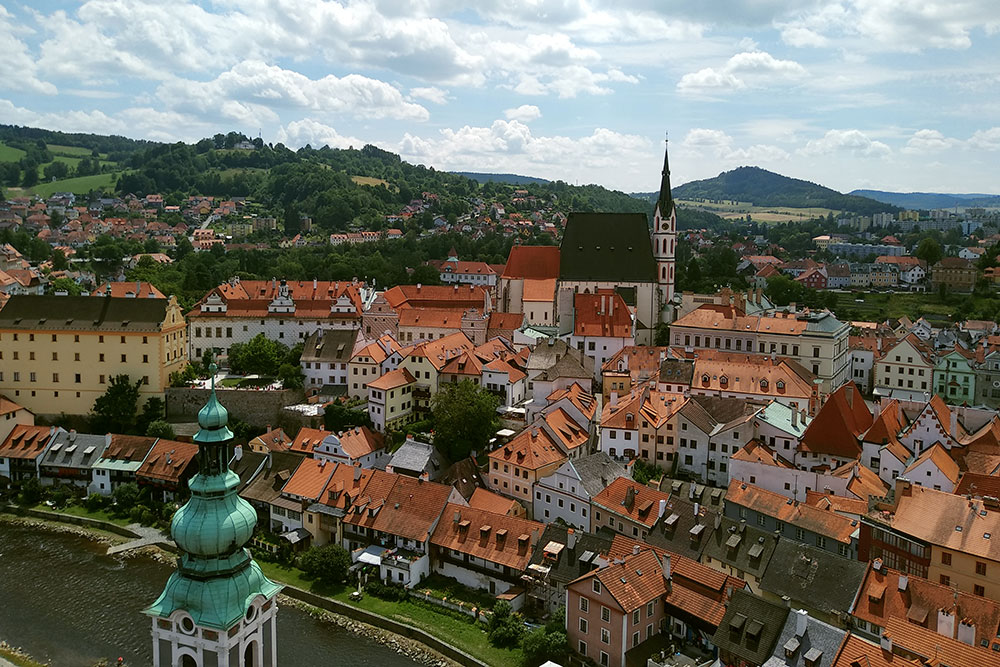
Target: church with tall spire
[[217, 609], [665, 242]]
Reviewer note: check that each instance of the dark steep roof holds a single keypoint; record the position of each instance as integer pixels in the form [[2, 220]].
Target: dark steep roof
[[666, 201], [813, 577], [566, 564], [751, 627], [83, 313], [611, 247]]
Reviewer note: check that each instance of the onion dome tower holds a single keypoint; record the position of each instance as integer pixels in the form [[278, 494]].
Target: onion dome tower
[[217, 609]]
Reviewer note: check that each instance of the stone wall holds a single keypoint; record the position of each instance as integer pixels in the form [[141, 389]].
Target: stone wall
[[258, 408]]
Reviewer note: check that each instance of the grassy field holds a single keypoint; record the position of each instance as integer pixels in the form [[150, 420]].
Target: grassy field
[[79, 510], [8, 154], [80, 185], [373, 182], [877, 306], [732, 210], [72, 151], [461, 633]]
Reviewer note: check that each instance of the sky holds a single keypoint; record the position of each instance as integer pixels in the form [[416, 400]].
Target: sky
[[899, 95]]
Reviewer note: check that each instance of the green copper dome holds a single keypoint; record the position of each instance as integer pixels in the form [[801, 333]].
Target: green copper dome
[[213, 418], [213, 526]]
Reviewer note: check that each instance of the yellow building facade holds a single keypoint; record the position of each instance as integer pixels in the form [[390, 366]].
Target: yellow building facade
[[59, 353]]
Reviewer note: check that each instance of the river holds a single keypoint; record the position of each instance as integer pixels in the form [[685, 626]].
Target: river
[[63, 601]]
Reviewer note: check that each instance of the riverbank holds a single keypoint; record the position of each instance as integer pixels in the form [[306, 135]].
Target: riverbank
[[15, 657], [410, 648]]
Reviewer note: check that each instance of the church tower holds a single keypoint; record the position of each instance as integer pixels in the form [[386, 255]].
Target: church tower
[[217, 609], [664, 243]]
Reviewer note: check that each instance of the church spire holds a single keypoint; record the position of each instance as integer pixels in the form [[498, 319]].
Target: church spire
[[666, 201]]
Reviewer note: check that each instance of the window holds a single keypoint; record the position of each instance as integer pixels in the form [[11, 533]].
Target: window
[[635, 617], [583, 625], [946, 558], [842, 550], [605, 636], [584, 605], [582, 648], [979, 590], [945, 580], [800, 534], [124, 357], [605, 614], [821, 542], [635, 638], [981, 568], [597, 583], [649, 608], [604, 659], [761, 520]]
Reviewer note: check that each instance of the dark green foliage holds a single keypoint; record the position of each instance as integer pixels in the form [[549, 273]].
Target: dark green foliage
[[152, 410], [644, 472], [505, 626], [160, 429], [541, 645], [327, 564], [764, 188], [465, 418], [30, 492], [338, 417], [261, 356], [125, 497], [930, 251], [96, 502], [386, 592], [114, 410]]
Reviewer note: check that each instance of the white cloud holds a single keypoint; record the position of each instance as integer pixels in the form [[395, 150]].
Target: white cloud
[[511, 146], [750, 69], [252, 91], [298, 133], [524, 113], [854, 142], [431, 94], [702, 142], [17, 67], [986, 140], [929, 141]]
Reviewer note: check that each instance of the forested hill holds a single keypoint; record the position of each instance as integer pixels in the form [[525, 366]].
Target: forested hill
[[929, 200], [114, 146], [511, 179], [765, 188]]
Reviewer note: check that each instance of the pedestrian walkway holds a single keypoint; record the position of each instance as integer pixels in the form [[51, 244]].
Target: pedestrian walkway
[[147, 536]]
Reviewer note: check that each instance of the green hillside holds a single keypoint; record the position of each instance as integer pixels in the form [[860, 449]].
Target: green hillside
[[765, 188]]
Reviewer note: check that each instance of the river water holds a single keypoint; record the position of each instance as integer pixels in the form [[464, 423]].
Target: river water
[[63, 601]]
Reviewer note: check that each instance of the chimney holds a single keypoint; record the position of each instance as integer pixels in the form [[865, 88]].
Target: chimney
[[457, 517], [570, 539], [665, 564], [954, 423], [534, 538], [636, 549], [718, 520], [903, 581], [801, 622], [795, 418], [357, 473], [697, 510], [315, 284], [662, 509], [886, 642], [238, 452], [849, 395]]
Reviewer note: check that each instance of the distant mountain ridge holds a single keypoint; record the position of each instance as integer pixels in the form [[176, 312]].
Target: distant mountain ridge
[[510, 179], [766, 188], [929, 200]]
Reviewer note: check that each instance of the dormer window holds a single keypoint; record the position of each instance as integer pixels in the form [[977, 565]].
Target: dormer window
[[763, 385], [724, 380]]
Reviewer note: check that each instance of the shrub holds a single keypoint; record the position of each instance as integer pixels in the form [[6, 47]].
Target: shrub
[[95, 502], [327, 564], [505, 627], [540, 645], [135, 514], [390, 592], [147, 518]]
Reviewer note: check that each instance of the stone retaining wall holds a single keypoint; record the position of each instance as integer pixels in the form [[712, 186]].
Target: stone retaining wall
[[408, 631], [70, 518], [257, 408]]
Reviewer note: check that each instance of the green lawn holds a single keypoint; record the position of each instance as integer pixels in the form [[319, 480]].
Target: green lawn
[[80, 510], [18, 659], [877, 306], [80, 185], [77, 151], [8, 154], [465, 635]]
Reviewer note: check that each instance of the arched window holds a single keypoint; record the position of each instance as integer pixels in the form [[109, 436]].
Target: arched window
[[188, 661], [763, 385]]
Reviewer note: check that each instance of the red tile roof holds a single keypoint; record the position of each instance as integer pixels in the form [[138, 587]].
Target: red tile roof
[[393, 379], [532, 262], [412, 508], [8, 406], [801, 515], [603, 313], [455, 297], [837, 427], [947, 520], [168, 461], [26, 442], [533, 448], [361, 441], [367, 504], [310, 479], [492, 502], [139, 290], [307, 439], [628, 498], [496, 538]]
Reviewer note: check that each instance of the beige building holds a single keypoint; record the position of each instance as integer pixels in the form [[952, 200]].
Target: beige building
[[59, 353]]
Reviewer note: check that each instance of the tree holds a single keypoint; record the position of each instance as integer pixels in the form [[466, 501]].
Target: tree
[[261, 355], [153, 410], [67, 285], [59, 261], [930, 251], [291, 376], [55, 171], [782, 290], [338, 417], [160, 429], [327, 564], [465, 418], [114, 410], [505, 627], [125, 497], [541, 645]]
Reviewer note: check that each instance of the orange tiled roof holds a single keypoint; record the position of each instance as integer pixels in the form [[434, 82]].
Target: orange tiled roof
[[347, 483], [571, 435], [139, 290], [8, 406], [532, 262], [603, 313], [822, 522], [578, 396], [752, 374], [275, 440], [26, 442], [412, 508], [628, 498], [397, 378], [496, 538], [439, 351], [491, 502], [465, 363], [457, 297], [361, 441], [310, 479], [837, 427], [939, 456], [757, 452], [880, 599], [367, 504], [435, 318], [532, 448], [948, 521], [168, 461], [828, 501], [539, 290], [655, 407], [307, 439], [925, 642]]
